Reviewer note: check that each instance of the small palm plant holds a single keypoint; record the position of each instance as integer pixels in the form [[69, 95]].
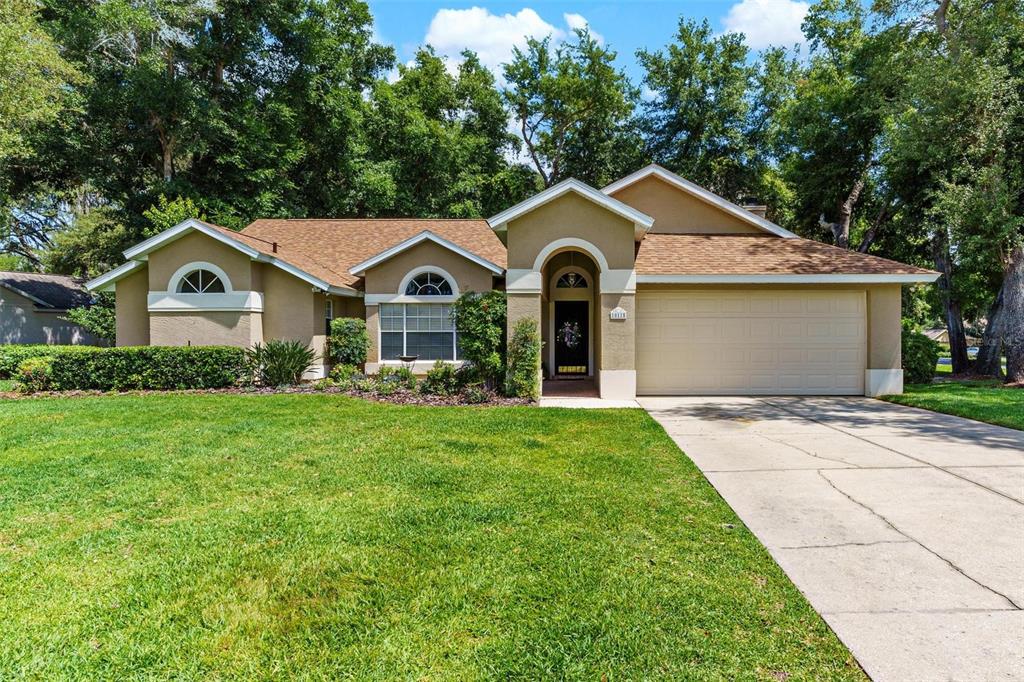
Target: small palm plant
[[278, 363]]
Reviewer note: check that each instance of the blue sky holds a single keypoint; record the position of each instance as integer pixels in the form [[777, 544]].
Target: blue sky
[[492, 28]]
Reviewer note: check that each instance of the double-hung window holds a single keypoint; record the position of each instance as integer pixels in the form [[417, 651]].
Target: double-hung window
[[423, 329]]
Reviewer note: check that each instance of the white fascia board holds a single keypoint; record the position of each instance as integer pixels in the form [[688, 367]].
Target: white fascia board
[[146, 247], [426, 235], [377, 299], [787, 279], [701, 193], [641, 221], [106, 281]]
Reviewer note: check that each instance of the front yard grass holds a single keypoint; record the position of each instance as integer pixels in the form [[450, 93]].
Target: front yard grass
[[7, 385], [313, 536], [986, 401]]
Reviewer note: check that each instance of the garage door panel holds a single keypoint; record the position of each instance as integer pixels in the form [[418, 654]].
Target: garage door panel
[[751, 342]]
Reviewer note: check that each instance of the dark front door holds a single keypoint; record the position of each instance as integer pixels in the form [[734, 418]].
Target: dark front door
[[572, 338]]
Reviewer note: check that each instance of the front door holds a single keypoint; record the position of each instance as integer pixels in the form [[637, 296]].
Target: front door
[[572, 338]]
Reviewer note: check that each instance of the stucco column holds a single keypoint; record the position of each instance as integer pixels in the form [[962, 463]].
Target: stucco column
[[373, 331], [885, 369], [616, 363]]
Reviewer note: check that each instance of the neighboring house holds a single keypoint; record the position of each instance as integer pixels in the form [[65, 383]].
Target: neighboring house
[[938, 334], [652, 285], [33, 305]]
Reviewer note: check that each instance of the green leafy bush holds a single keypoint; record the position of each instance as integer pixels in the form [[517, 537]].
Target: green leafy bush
[[522, 380], [441, 379], [278, 363], [11, 356], [349, 342], [344, 376], [144, 367], [920, 354], [399, 376], [324, 384], [476, 395], [98, 318], [480, 321], [35, 374]]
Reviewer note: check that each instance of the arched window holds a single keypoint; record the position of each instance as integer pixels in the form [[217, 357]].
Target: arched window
[[571, 280], [428, 284], [200, 281]]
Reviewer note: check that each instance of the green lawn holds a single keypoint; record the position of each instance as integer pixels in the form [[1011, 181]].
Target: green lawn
[[985, 401], [313, 536], [7, 385]]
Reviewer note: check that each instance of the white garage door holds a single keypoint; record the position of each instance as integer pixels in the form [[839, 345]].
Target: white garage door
[[737, 342]]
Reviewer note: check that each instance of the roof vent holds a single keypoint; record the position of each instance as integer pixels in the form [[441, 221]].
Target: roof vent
[[759, 210]]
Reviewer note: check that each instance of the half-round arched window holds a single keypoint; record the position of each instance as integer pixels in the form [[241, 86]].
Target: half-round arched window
[[571, 280], [200, 281], [428, 284]]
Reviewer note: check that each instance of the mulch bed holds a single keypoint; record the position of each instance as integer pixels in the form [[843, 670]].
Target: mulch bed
[[399, 397]]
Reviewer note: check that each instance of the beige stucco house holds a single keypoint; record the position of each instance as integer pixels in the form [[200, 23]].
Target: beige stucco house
[[652, 285]]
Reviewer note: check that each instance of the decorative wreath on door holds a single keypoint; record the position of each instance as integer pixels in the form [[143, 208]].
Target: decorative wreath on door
[[569, 334]]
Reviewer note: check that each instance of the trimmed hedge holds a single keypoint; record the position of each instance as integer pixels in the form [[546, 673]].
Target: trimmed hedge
[[145, 367], [13, 355]]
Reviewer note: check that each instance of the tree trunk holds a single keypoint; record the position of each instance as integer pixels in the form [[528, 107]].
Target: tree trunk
[[1012, 325], [841, 228], [990, 353], [954, 318]]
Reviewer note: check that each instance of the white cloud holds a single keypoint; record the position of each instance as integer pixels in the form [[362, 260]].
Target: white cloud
[[767, 22], [491, 36], [578, 21]]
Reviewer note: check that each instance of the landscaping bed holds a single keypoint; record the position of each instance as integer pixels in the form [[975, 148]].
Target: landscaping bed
[[315, 536]]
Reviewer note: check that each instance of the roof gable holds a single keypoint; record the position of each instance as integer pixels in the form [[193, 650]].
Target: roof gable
[[700, 193], [360, 269], [298, 265], [641, 221]]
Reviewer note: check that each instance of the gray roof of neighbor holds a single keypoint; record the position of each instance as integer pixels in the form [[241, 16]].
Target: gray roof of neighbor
[[58, 292]]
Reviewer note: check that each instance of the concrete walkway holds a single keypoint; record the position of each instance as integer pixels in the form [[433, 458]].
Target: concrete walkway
[[904, 528]]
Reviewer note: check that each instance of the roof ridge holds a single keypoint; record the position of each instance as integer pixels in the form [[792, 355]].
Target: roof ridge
[[367, 220]]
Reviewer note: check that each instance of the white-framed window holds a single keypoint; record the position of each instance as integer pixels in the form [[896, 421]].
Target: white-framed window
[[200, 281], [428, 284], [571, 280], [425, 330], [328, 314]]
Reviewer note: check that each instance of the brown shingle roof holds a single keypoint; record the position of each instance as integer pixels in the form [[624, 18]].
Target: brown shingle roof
[[749, 254], [329, 248]]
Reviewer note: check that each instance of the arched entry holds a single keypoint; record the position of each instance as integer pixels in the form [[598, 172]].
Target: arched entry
[[570, 327]]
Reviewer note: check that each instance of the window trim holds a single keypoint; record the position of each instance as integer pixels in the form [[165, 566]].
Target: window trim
[[401, 297], [405, 332], [189, 268]]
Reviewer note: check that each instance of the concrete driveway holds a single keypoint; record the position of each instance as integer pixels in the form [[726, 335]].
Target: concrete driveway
[[904, 528]]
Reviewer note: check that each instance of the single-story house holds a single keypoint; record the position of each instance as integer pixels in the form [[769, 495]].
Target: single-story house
[[652, 285], [33, 305]]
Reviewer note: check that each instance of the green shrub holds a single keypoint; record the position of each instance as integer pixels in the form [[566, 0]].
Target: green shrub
[[476, 394], [324, 384], [145, 367], [920, 354], [11, 356], [278, 363], [399, 376], [522, 380], [480, 321], [35, 374], [344, 376], [98, 318], [441, 379], [348, 342]]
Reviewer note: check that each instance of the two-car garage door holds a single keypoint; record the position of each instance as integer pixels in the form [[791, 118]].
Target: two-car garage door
[[740, 341]]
